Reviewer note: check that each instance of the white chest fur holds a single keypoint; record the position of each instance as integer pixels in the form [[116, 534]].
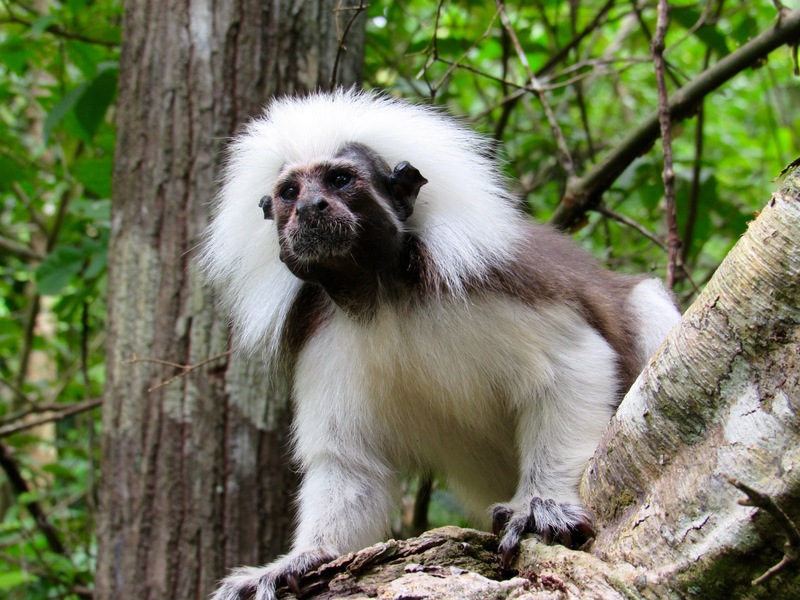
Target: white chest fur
[[455, 387]]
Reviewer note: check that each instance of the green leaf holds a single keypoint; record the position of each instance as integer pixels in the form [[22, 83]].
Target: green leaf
[[91, 107], [60, 471], [95, 175], [98, 262], [95, 210], [709, 35], [41, 24], [62, 107], [15, 54], [9, 171], [85, 56], [15, 578], [60, 266]]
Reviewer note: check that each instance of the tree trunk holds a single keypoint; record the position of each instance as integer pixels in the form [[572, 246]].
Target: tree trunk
[[195, 478], [720, 400]]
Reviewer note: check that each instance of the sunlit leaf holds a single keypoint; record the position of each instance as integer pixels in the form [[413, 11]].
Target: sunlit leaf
[[709, 34], [95, 174], [91, 107], [61, 265], [15, 578], [59, 111]]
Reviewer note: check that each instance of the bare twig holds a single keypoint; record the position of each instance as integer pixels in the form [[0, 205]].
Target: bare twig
[[33, 301], [665, 121], [573, 43], [20, 487], [21, 425], [584, 193], [453, 65], [565, 156], [184, 369], [19, 250], [791, 549], [611, 214], [59, 31], [342, 46], [26, 201]]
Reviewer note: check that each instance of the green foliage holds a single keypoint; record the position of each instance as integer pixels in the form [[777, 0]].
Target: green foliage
[[58, 78], [58, 81], [459, 55]]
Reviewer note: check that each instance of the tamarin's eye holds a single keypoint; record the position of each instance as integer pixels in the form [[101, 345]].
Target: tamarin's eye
[[341, 179], [289, 193]]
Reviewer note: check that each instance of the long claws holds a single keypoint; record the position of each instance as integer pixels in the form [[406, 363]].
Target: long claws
[[585, 529], [500, 516], [507, 557], [566, 524], [294, 583]]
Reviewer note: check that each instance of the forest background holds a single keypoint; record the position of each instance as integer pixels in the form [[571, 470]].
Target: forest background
[[59, 65]]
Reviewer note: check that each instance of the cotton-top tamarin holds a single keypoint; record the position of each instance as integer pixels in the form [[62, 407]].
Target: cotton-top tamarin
[[372, 247]]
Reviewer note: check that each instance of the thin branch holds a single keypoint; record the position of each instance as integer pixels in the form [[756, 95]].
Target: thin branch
[[565, 156], [625, 220], [453, 65], [620, 218], [341, 46], [791, 548], [697, 165], [637, 11], [20, 487], [586, 192], [564, 51], [28, 204], [33, 301], [184, 369], [665, 121], [12, 247], [63, 413], [59, 31], [432, 51], [554, 83]]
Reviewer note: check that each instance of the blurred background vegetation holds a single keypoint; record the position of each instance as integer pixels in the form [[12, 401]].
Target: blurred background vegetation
[[58, 76]]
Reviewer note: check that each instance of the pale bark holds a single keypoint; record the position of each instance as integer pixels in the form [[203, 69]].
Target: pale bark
[[195, 474], [721, 398]]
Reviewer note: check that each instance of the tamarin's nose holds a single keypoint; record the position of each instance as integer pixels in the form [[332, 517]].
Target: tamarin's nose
[[316, 204]]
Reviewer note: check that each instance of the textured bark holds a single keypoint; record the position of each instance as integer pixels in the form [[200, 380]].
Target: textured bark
[[195, 478], [721, 398]]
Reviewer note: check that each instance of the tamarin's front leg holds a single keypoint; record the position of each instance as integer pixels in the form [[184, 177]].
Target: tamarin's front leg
[[557, 434], [343, 508]]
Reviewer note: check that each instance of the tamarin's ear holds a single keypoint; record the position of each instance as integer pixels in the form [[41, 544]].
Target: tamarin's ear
[[404, 184], [265, 204]]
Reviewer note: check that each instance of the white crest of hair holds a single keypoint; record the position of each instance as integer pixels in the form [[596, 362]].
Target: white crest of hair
[[464, 215]]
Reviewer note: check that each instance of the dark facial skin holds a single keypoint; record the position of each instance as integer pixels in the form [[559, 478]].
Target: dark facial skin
[[340, 222]]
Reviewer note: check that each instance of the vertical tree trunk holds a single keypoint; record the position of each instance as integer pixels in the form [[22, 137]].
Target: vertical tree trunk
[[195, 477]]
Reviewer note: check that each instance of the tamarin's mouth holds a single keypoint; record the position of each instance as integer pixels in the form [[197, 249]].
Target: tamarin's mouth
[[318, 239]]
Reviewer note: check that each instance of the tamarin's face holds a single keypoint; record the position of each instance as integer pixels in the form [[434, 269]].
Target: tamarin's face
[[342, 216]]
